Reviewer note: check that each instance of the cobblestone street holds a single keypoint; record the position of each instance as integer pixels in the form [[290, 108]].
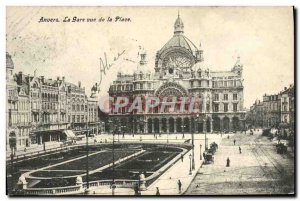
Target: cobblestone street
[[257, 170]]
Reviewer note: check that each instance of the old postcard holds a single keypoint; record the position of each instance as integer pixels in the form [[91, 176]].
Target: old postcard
[[150, 101]]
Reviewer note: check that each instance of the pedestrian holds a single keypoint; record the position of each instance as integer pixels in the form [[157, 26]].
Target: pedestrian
[[181, 157], [227, 136], [179, 185], [240, 150], [157, 191], [234, 142], [228, 162], [136, 189], [204, 155]]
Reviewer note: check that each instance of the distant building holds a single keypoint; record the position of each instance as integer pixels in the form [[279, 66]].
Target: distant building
[[271, 104], [276, 110], [288, 106], [256, 114], [16, 130]]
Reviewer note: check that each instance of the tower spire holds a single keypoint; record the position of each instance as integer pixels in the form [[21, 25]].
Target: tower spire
[[178, 26]]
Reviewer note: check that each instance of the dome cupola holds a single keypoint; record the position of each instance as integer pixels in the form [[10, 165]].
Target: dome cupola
[[178, 26]]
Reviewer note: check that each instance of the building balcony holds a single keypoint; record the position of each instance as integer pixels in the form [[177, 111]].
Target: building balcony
[[12, 98], [35, 110], [51, 111]]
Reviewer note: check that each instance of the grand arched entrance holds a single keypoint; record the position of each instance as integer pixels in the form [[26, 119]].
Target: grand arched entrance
[[235, 124], [193, 123], [171, 125], [225, 124], [186, 125], [200, 127], [164, 125], [178, 125], [156, 125], [149, 122], [216, 124], [208, 129]]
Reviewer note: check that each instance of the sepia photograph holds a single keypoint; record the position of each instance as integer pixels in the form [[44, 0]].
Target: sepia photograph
[[150, 101]]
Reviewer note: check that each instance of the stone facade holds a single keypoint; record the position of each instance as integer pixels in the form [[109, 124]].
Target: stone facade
[[180, 71], [39, 109], [276, 110]]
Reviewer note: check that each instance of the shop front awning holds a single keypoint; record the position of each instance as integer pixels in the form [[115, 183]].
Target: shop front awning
[[69, 133]]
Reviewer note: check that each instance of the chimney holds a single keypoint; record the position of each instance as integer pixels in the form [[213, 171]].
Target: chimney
[[285, 88], [43, 79], [58, 78], [63, 78], [79, 84]]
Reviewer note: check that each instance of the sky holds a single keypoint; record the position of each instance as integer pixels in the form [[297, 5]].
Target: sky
[[263, 37]]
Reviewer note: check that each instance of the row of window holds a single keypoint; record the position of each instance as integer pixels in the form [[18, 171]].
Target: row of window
[[225, 107], [78, 118], [225, 97], [18, 118], [79, 107], [230, 83], [122, 87], [141, 76], [200, 83], [23, 105]]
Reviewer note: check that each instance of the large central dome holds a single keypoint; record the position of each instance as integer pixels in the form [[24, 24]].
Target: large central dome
[[178, 39]]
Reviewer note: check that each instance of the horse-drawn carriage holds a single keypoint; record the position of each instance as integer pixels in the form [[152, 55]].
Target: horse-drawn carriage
[[208, 158], [208, 155]]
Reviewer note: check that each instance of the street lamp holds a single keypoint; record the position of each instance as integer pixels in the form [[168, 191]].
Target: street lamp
[[190, 156], [113, 186], [168, 136], [123, 130], [200, 152], [205, 137], [109, 124], [182, 127], [193, 148], [87, 163]]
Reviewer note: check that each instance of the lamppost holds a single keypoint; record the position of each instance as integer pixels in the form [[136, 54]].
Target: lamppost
[[205, 136], [113, 186], [123, 130], [206, 142], [182, 127], [193, 149], [200, 152], [168, 136], [190, 156], [109, 124], [87, 162]]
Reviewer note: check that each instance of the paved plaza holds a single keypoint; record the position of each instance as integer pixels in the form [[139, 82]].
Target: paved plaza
[[257, 170]]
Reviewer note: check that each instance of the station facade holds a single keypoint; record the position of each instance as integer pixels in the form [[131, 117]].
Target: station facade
[[180, 71]]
